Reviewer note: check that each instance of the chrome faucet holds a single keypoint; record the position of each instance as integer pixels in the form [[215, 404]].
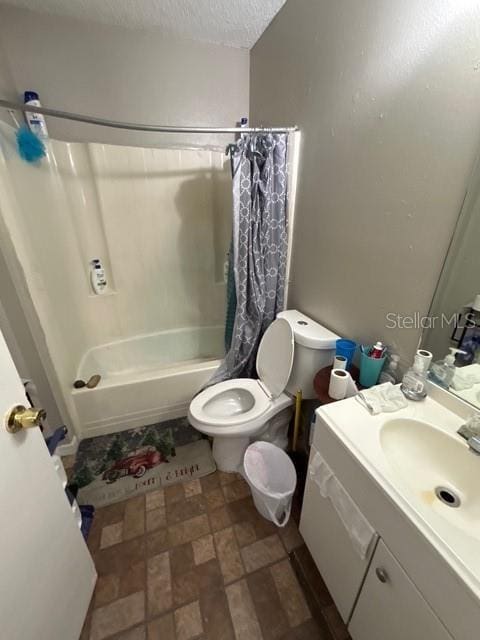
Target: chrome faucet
[[474, 444], [470, 431]]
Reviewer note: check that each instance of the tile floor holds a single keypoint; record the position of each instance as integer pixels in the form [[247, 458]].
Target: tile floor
[[196, 561]]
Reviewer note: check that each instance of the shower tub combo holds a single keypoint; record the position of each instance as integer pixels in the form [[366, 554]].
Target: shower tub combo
[[145, 379]]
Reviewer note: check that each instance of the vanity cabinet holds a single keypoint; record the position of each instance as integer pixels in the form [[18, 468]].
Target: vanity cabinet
[[390, 606], [378, 597], [342, 569]]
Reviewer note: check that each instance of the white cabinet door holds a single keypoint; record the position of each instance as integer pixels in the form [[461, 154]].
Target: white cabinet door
[[342, 569], [47, 575], [390, 606]]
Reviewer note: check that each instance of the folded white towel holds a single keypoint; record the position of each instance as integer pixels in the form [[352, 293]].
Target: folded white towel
[[382, 398], [466, 377]]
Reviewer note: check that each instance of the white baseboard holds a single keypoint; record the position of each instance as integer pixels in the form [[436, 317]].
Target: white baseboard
[[67, 448]]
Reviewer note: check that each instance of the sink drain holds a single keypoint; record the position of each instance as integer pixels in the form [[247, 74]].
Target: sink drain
[[447, 496]]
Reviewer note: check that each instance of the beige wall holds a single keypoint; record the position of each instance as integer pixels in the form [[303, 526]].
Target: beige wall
[[30, 360], [29, 352], [123, 74], [387, 95]]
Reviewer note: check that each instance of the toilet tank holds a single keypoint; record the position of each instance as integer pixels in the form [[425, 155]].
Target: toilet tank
[[314, 349]]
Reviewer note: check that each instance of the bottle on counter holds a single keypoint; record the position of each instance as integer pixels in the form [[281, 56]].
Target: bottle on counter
[[391, 372], [414, 383]]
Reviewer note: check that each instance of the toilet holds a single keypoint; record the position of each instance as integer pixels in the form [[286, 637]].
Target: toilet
[[237, 412]]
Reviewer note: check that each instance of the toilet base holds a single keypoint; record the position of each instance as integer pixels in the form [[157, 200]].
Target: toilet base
[[228, 452]]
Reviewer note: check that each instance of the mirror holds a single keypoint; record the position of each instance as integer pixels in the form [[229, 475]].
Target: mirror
[[454, 318]]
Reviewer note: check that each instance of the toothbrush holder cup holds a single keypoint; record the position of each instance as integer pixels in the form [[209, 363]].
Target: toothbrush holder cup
[[370, 369], [346, 348]]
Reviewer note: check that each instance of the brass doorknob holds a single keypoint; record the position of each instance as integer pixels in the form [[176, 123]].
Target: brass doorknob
[[19, 417]]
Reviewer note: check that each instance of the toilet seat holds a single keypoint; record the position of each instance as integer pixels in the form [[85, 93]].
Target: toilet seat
[[242, 405], [230, 403]]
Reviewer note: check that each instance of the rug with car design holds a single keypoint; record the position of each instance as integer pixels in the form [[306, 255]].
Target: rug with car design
[[120, 465]]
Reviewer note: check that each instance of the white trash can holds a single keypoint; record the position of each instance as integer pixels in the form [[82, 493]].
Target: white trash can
[[272, 479]]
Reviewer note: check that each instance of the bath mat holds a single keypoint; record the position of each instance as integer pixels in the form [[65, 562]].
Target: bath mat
[[121, 465]]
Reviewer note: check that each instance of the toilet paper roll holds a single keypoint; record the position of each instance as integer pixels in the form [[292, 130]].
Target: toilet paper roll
[[340, 362], [337, 389], [427, 358]]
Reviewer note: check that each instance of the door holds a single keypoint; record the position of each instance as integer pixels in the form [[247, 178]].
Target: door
[[390, 606], [46, 573]]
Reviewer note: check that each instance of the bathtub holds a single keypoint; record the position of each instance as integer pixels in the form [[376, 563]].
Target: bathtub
[[145, 379]]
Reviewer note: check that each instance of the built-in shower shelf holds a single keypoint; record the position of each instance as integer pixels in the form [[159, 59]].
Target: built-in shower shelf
[[107, 294]]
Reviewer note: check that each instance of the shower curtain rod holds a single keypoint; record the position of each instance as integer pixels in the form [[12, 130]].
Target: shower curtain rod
[[54, 113]]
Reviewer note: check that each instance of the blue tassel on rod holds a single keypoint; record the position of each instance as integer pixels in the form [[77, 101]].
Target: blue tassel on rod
[[30, 147]]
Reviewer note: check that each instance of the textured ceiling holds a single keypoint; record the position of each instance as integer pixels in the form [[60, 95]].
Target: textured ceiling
[[235, 23]]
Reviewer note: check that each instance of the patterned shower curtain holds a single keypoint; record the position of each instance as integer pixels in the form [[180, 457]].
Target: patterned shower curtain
[[260, 244]]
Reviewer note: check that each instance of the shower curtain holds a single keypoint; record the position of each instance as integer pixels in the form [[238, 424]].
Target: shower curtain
[[260, 244]]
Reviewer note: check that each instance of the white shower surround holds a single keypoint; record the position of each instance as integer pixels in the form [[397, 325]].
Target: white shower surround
[[158, 218]]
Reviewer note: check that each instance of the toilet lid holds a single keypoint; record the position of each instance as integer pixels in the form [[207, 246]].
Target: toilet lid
[[275, 356]]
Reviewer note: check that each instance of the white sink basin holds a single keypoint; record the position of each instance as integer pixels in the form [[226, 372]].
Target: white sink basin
[[436, 468]]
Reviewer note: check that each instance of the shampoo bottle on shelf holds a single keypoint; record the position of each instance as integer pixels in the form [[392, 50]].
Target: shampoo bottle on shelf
[[35, 121], [97, 276]]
